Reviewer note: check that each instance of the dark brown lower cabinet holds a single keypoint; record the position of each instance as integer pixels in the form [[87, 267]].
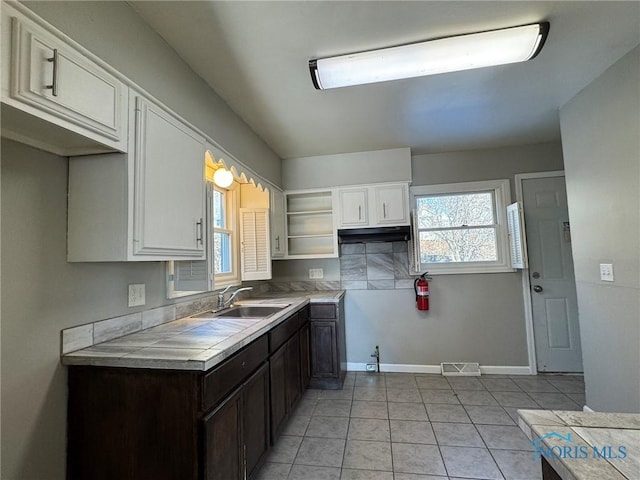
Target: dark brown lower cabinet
[[286, 386], [328, 350], [289, 367], [277, 374], [255, 419], [548, 472], [236, 433], [305, 360], [138, 424], [223, 447]]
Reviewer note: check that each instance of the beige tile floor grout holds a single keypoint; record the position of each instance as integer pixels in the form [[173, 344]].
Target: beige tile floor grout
[[419, 427]]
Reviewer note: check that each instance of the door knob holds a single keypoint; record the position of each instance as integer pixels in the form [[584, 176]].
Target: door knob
[[537, 288]]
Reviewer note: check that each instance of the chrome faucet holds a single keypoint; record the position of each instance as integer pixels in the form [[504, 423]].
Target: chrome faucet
[[222, 303]]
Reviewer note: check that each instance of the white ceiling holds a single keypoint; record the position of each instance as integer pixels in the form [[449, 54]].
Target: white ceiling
[[255, 56]]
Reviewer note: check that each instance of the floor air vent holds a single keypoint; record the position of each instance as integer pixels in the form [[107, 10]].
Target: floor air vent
[[471, 369]]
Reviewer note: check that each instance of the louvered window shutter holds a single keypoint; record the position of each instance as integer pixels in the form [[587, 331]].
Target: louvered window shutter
[[516, 239], [255, 256]]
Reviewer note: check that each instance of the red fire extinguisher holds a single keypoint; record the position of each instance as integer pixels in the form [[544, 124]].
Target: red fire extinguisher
[[421, 287]]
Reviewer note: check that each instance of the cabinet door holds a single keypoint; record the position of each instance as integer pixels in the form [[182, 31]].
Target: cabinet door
[[255, 262], [391, 204], [276, 218], [324, 349], [223, 441], [277, 376], [255, 409], [292, 366], [353, 209], [66, 87], [169, 186], [305, 361]]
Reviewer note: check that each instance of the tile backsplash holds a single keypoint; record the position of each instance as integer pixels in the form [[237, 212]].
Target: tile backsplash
[[83, 336], [363, 266], [375, 266]]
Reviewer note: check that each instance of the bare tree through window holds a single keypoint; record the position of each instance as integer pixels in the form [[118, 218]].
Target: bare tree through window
[[457, 228]]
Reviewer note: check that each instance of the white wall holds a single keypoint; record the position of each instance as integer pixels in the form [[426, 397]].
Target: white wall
[[347, 169], [601, 147], [473, 317]]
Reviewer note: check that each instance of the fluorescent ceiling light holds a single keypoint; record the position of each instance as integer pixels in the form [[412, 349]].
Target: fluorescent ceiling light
[[451, 54]]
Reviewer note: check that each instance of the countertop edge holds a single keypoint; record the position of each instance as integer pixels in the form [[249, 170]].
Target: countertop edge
[[206, 358]]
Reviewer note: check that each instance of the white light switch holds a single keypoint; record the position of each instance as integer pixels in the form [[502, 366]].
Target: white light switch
[[316, 273], [136, 295], [606, 272]]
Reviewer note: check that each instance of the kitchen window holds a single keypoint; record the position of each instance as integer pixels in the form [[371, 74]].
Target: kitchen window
[[461, 228], [223, 244]]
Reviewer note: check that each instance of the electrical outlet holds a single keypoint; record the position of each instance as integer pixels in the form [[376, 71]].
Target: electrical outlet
[[371, 367], [316, 273], [136, 294], [606, 272]]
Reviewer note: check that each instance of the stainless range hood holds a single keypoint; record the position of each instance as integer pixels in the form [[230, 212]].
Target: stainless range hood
[[374, 234]]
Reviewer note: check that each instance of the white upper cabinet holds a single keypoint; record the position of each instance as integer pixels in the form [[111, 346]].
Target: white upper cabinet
[[353, 211], [169, 185], [373, 205], [56, 95], [391, 204], [276, 217], [148, 204]]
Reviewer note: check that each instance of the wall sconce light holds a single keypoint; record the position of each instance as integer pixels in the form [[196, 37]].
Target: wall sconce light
[[223, 178], [450, 54]]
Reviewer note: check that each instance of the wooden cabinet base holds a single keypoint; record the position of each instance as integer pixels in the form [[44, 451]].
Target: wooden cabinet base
[[548, 473], [328, 346], [328, 383]]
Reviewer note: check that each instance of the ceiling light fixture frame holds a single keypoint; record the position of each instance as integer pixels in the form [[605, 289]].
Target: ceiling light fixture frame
[[431, 57]]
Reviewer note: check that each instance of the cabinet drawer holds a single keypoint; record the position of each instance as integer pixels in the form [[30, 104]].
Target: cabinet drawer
[[282, 332], [219, 382], [323, 311]]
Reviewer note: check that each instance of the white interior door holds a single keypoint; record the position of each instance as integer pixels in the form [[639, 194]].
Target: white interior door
[[553, 288]]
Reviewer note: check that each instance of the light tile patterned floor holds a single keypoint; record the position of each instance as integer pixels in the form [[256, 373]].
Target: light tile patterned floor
[[397, 426]]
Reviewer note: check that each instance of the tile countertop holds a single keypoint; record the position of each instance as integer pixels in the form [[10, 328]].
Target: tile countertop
[[193, 343], [550, 429]]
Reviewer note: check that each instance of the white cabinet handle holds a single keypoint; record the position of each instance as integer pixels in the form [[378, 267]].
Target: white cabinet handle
[[54, 82]]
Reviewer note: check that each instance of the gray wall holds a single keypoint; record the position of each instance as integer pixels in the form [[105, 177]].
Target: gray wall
[[473, 317], [43, 293], [116, 34], [602, 157]]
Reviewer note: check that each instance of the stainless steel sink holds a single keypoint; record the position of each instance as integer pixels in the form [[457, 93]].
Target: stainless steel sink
[[244, 311]]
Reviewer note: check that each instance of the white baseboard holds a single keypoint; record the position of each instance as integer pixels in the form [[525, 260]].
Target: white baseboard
[[404, 368], [504, 370]]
